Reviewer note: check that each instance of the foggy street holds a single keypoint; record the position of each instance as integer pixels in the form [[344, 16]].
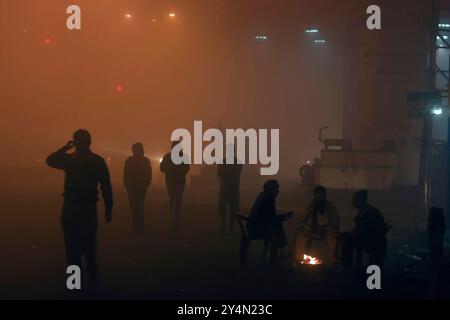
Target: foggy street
[[199, 262], [252, 150]]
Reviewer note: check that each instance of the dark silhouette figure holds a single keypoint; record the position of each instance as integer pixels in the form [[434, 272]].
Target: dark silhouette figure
[[264, 223], [137, 177], [84, 171], [436, 233], [321, 222], [175, 175], [229, 176], [369, 233]]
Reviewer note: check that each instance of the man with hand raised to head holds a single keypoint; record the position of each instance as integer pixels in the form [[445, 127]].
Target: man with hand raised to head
[[84, 172]]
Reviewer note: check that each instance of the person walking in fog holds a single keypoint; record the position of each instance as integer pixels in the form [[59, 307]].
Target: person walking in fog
[[175, 176], [137, 177], [84, 171], [229, 176]]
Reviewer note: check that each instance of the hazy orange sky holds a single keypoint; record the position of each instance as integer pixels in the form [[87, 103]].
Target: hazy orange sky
[[204, 64]]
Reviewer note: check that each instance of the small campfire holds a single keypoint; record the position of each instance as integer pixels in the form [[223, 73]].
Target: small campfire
[[310, 260]]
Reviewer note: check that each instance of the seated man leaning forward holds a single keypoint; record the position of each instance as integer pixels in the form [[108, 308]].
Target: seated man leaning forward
[[321, 222], [265, 223]]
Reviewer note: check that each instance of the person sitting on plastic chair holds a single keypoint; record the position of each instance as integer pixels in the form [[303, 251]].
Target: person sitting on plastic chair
[[368, 234], [265, 224]]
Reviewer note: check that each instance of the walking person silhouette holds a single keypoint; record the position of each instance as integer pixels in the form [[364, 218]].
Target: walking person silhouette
[[137, 177], [175, 176]]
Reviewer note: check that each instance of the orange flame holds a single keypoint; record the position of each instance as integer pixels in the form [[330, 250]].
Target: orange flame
[[310, 260]]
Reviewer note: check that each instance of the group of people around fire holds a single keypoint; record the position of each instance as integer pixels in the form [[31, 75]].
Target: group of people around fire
[[85, 171]]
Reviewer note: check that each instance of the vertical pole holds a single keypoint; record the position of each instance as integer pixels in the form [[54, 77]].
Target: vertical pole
[[448, 167], [423, 189], [447, 205]]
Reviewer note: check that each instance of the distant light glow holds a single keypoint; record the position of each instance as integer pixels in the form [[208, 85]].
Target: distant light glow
[[436, 111], [444, 25], [444, 37], [119, 88], [320, 41], [160, 160], [47, 40], [172, 14], [261, 37], [128, 16], [311, 30], [154, 20]]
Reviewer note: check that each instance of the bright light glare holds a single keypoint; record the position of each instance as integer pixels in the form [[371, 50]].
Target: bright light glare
[[261, 37], [119, 88], [436, 111], [128, 15], [172, 15], [311, 31], [47, 40]]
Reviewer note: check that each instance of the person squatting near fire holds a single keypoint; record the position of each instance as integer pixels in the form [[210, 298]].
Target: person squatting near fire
[[368, 234], [84, 171], [265, 223], [321, 222]]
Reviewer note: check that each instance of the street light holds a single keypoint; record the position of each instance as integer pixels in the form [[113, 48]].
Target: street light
[[436, 111], [119, 88], [48, 40]]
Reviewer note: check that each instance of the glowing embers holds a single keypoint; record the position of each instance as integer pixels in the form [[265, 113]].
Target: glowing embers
[[310, 260]]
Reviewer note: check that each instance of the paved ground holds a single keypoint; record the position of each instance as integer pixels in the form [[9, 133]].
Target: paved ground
[[197, 263]]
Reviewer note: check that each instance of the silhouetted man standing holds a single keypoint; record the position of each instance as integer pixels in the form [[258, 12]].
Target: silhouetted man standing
[[84, 171], [230, 176], [137, 177], [175, 182]]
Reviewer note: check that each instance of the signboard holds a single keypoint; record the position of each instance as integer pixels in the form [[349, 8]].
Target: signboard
[[423, 103]]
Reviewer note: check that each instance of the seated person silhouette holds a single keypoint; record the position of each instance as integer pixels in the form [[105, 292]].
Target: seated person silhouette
[[265, 224], [369, 233], [321, 222]]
